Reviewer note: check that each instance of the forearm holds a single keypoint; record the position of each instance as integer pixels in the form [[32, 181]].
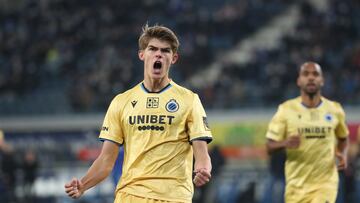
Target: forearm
[[342, 145], [96, 173], [272, 145], [201, 155], [102, 166]]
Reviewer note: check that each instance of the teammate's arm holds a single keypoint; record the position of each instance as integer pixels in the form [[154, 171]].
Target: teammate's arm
[[341, 152], [292, 142], [202, 167], [342, 133], [99, 170]]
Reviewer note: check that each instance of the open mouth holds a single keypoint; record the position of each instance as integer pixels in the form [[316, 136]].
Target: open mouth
[[311, 85], [157, 65]]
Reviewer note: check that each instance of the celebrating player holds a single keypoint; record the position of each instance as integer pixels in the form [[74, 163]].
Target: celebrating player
[[161, 126]]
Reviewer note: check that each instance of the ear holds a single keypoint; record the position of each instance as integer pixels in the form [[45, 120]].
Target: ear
[[141, 55], [175, 58]]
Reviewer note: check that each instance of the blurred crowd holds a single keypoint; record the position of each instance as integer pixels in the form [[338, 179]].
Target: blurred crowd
[[86, 51], [74, 56], [16, 168], [330, 37]]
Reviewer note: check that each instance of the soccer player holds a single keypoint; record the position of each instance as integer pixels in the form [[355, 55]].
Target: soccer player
[[161, 126], [312, 129]]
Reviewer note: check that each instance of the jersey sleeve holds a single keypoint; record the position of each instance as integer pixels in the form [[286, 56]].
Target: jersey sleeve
[[111, 129], [277, 126], [341, 130], [197, 124]]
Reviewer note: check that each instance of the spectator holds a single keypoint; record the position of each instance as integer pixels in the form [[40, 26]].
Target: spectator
[[8, 170], [29, 167]]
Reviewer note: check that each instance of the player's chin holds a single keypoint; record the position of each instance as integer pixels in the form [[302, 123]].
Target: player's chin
[[157, 76], [311, 90]]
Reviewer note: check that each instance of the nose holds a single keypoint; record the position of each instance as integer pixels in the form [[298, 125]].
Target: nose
[[158, 53], [311, 77]]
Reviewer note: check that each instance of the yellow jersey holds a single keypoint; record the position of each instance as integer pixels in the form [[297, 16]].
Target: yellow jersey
[[312, 165], [156, 131], [1, 135]]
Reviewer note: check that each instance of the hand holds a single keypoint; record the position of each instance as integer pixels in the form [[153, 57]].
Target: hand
[[74, 188], [342, 160], [202, 176], [292, 142]]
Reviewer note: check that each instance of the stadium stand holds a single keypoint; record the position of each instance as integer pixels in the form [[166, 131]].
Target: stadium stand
[[52, 50]]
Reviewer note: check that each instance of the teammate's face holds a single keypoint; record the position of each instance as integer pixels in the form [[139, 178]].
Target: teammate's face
[[157, 57], [310, 78]]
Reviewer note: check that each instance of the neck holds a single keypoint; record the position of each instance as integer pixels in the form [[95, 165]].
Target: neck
[[311, 100], [155, 85]]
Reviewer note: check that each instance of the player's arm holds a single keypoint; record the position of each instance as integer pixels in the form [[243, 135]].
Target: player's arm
[[276, 133], [342, 133], [291, 142], [341, 152], [202, 166], [99, 170]]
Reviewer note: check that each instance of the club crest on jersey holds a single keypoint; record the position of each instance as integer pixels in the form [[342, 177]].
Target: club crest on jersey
[[328, 117], [172, 106]]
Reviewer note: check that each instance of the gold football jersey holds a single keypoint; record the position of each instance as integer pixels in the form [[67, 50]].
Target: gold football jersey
[[312, 165], [156, 130]]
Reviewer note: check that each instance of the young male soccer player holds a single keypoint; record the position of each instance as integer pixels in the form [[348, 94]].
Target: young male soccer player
[[312, 129], [161, 126]]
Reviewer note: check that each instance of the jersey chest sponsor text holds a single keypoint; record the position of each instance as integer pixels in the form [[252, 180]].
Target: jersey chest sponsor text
[[151, 119], [315, 132]]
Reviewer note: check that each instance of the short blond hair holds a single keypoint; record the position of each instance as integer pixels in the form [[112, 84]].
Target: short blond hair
[[158, 32]]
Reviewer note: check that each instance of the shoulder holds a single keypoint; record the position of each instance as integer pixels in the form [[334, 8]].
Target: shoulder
[[331, 102], [290, 103], [334, 105], [124, 96], [183, 90]]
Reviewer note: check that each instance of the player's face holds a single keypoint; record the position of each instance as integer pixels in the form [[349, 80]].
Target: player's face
[[310, 78], [157, 58]]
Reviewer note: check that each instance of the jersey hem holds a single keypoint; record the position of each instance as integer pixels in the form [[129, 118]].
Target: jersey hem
[[156, 197], [207, 139], [113, 141]]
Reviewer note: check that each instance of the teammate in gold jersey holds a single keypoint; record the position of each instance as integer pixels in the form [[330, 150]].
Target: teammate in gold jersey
[[312, 129], [161, 126]]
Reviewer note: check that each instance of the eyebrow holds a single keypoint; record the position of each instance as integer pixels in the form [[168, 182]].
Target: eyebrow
[[165, 48]]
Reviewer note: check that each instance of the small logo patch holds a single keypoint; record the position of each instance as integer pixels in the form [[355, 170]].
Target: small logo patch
[[152, 102], [328, 117], [104, 128], [133, 103], [314, 116], [206, 124], [172, 106]]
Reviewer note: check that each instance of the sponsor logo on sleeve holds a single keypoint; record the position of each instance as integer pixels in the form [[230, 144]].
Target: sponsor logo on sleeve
[[206, 124], [105, 128]]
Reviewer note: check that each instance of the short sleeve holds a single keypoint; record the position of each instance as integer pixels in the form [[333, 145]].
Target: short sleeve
[[111, 129], [341, 130], [197, 123], [277, 126]]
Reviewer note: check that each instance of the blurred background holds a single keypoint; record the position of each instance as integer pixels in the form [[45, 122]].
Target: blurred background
[[62, 61]]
